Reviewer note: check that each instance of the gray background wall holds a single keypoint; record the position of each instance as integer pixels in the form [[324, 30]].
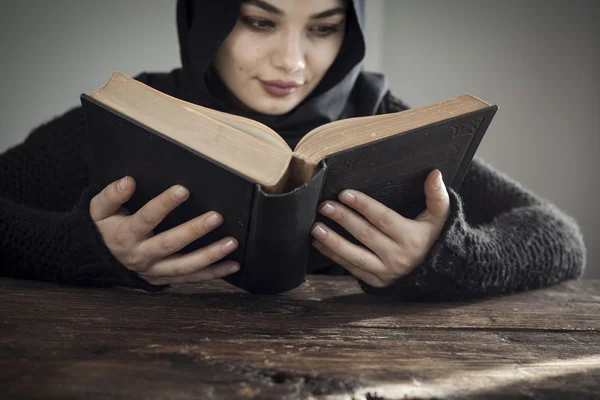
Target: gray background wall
[[538, 60]]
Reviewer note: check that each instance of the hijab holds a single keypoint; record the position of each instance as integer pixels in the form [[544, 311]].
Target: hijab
[[345, 90]]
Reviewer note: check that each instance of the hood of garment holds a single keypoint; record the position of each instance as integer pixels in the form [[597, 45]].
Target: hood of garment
[[345, 90]]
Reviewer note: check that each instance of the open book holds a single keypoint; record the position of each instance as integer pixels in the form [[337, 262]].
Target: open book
[[267, 192]]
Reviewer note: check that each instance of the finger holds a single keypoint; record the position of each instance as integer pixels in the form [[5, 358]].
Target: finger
[[185, 264], [175, 239], [356, 255], [437, 199], [359, 227], [111, 199], [359, 273], [215, 271], [383, 218], [154, 211]]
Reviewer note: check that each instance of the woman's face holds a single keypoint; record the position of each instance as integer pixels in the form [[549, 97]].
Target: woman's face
[[279, 50]]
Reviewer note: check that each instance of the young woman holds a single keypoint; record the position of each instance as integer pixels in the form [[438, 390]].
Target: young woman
[[293, 66]]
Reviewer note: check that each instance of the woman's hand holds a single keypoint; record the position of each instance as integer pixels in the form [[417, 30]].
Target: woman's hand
[[131, 240], [394, 245]]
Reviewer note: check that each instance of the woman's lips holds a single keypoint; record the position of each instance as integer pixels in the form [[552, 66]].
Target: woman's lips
[[279, 88]]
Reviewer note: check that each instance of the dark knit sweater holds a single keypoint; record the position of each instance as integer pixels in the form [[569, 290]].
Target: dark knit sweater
[[499, 237]]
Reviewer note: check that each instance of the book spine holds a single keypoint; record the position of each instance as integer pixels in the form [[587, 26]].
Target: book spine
[[279, 239]]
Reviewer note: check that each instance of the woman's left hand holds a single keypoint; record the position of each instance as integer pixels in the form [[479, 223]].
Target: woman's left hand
[[395, 245]]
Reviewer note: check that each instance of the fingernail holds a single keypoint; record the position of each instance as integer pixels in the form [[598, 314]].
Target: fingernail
[[122, 185], [347, 196], [319, 232], [327, 209], [228, 246], [212, 220], [180, 192], [233, 268], [438, 182]]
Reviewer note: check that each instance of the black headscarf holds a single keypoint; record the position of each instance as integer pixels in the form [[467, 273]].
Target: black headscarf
[[345, 90]]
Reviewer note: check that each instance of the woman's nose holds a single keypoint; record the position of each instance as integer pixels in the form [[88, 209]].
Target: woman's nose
[[289, 54]]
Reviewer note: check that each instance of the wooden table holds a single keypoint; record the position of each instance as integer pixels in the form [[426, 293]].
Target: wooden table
[[325, 339]]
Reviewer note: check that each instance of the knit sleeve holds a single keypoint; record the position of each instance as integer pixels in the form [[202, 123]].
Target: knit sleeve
[[46, 232], [60, 247], [500, 238], [46, 171]]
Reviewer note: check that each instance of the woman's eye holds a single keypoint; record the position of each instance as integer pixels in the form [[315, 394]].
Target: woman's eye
[[258, 24], [326, 30]]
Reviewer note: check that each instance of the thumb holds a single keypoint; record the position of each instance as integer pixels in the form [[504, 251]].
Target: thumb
[[437, 199], [111, 199]]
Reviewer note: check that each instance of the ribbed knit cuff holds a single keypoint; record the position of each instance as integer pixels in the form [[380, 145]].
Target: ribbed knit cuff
[[89, 262]]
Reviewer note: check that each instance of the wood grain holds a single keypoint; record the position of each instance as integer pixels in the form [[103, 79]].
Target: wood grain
[[325, 339]]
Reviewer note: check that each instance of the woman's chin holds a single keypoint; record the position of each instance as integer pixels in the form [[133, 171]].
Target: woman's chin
[[273, 107]]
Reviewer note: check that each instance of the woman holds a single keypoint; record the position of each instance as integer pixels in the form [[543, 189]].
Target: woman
[[293, 66]]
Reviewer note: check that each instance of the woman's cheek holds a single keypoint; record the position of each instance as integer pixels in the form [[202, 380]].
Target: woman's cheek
[[321, 59], [249, 58]]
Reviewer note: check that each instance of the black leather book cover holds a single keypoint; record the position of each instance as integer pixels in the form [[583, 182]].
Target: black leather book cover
[[393, 170], [116, 146], [273, 231]]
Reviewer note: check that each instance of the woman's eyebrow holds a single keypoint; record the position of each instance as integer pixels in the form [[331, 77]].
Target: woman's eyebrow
[[265, 6], [274, 10], [329, 13]]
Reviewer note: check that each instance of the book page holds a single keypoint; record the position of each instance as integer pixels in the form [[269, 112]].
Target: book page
[[265, 161], [351, 132]]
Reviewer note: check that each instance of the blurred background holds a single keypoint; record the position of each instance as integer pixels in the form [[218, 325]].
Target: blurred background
[[539, 61]]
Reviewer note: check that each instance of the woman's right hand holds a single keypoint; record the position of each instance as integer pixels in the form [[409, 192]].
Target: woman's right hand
[[131, 240]]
